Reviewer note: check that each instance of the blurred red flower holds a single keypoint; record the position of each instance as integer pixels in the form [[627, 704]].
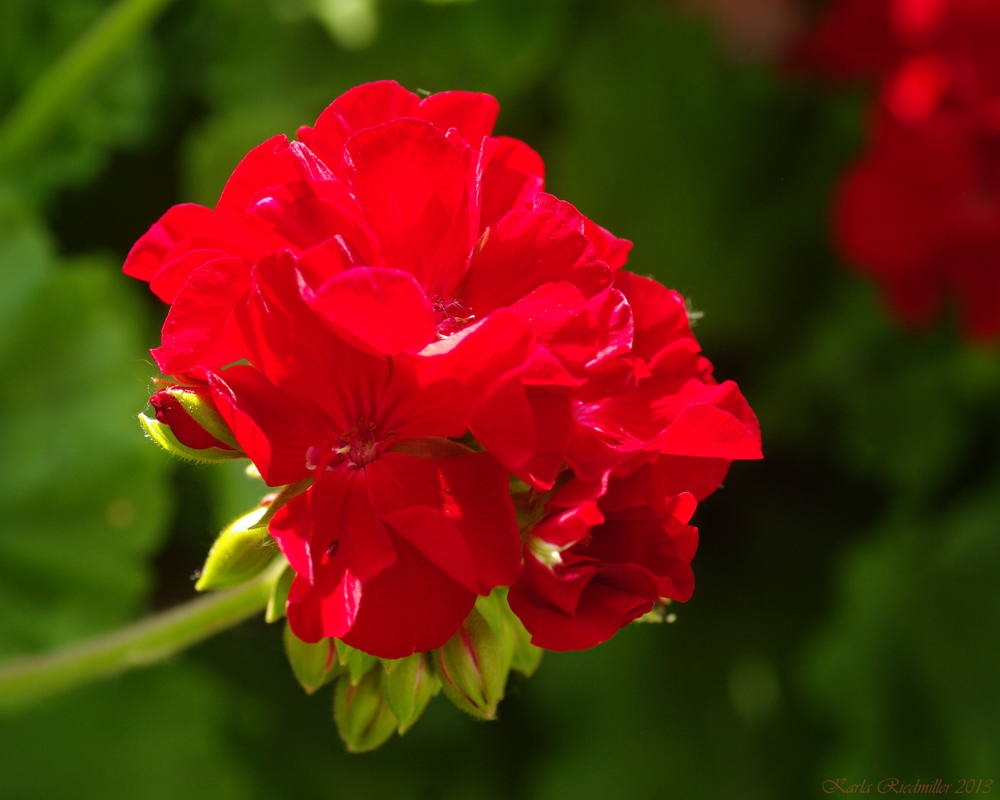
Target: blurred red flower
[[920, 210]]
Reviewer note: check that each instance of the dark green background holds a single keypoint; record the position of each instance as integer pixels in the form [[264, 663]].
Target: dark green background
[[846, 615]]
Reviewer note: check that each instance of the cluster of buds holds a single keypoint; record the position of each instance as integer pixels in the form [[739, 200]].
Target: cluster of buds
[[375, 698]]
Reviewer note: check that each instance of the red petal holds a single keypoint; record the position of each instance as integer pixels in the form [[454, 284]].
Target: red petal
[[514, 175], [291, 527], [272, 429], [411, 183], [438, 539], [310, 212], [189, 221], [560, 321], [725, 429], [562, 587], [436, 392], [599, 616], [375, 308], [653, 484], [290, 345], [553, 426], [564, 528], [611, 250], [615, 327], [659, 314], [326, 610], [362, 107], [505, 424], [472, 491], [321, 262], [194, 328], [179, 223], [527, 429], [277, 161], [411, 607], [471, 113], [175, 272], [647, 546], [342, 513], [890, 220], [525, 250]]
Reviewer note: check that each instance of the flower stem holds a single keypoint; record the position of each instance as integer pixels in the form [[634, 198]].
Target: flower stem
[[146, 642], [56, 88]]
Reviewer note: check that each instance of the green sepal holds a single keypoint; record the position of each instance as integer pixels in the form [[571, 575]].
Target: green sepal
[[242, 551], [491, 607], [364, 719], [473, 665], [279, 596], [525, 657], [408, 687], [164, 437], [357, 662], [314, 664], [203, 411]]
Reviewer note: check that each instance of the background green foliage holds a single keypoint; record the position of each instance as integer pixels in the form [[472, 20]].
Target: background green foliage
[[846, 616]]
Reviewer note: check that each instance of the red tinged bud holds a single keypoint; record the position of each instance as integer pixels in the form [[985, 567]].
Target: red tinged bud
[[192, 418]]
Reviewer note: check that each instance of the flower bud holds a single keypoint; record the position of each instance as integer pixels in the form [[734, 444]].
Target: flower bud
[[314, 664], [408, 684], [192, 417], [164, 436], [364, 719], [279, 596], [357, 662], [241, 552], [473, 665], [525, 656]]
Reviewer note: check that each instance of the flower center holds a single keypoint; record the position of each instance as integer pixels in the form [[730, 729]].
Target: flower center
[[356, 447], [450, 316]]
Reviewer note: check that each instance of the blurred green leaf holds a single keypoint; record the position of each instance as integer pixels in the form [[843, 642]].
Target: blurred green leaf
[[151, 734], [60, 114], [907, 667], [84, 495]]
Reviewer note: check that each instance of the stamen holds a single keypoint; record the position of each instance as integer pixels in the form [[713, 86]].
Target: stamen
[[450, 316]]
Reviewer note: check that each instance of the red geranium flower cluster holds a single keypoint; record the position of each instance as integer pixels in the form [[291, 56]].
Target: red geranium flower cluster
[[921, 209], [415, 320]]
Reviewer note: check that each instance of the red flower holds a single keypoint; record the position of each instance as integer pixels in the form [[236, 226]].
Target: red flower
[[396, 280], [921, 209], [199, 260], [594, 565], [921, 212], [657, 434], [402, 527]]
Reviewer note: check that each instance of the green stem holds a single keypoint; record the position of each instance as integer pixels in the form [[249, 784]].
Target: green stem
[[49, 96], [146, 642]]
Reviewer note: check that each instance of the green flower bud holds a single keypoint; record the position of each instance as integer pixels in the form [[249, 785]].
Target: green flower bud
[[191, 413], [490, 607], [357, 662], [408, 686], [364, 719], [279, 596], [474, 664], [242, 551], [165, 438], [525, 657], [314, 664]]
